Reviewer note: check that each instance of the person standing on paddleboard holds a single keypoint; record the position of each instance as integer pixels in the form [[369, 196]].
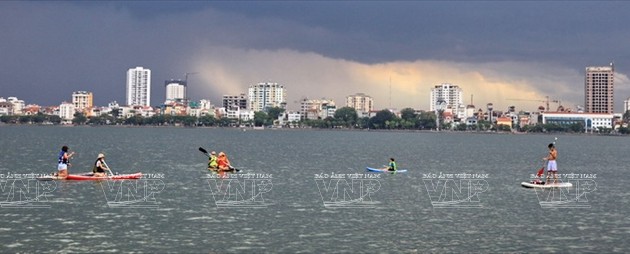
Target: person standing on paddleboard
[[552, 167], [63, 162]]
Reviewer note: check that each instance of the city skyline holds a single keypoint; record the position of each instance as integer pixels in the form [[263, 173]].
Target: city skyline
[[334, 50]]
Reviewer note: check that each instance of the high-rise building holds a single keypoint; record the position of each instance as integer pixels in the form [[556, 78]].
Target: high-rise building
[[626, 105], [82, 100], [266, 95], [360, 102], [451, 94], [232, 101], [598, 89], [175, 90], [139, 87], [317, 108], [66, 111]]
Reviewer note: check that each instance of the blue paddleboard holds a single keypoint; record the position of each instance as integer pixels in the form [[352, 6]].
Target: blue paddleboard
[[378, 170]]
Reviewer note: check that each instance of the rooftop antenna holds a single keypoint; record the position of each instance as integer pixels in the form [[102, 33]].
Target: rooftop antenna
[[390, 91]]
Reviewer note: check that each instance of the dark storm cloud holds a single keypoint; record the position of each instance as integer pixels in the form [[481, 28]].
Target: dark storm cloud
[[50, 49], [563, 32]]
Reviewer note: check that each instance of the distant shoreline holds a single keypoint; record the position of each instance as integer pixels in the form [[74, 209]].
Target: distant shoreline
[[320, 129]]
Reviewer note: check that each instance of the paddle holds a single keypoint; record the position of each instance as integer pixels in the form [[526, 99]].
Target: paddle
[[206, 153], [541, 171], [108, 169]]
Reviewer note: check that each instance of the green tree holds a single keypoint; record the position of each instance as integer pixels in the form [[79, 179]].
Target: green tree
[[347, 115], [552, 127], [25, 119], [426, 120], [55, 119], [536, 128], [461, 127], [484, 125], [260, 118], [577, 127], [39, 118], [408, 114], [274, 112], [381, 119], [79, 118], [207, 120], [134, 120], [363, 122], [503, 127], [190, 121], [103, 119], [409, 118], [8, 119]]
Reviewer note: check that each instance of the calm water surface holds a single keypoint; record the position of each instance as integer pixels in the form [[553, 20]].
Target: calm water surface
[[401, 216]]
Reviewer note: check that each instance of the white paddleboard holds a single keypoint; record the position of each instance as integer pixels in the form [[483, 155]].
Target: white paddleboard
[[545, 186]]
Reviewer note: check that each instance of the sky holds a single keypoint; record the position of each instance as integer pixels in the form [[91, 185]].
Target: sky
[[393, 51]]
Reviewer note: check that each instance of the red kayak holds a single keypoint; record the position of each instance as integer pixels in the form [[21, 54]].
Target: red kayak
[[114, 177]]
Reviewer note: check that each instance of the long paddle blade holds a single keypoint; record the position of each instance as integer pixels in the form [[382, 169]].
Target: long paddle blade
[[541, 171], [203, 150], [108, 169]]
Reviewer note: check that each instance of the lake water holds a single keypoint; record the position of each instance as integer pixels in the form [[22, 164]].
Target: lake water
[[284, 198]]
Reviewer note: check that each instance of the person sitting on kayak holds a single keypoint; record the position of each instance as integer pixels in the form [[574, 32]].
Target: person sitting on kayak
[[100, 166], [223, 162], [212, 161], [392, 165], [63, 162]]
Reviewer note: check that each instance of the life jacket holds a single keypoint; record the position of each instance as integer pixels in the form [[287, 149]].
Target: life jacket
[[62, 159], [392, 165], [212, 163], [95, 169], [222, 162]]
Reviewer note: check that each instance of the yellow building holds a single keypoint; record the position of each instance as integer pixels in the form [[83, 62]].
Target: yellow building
[[82, 100]]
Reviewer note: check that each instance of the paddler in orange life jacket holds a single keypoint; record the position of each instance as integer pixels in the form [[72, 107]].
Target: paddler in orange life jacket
[[100, 166], [63, 162], [223, 162]]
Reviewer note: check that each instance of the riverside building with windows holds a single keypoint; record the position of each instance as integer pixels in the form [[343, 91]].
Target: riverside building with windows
[[590, 121], [138, 87], [599, 89], [266, 95], [451, 94], [360, 102]]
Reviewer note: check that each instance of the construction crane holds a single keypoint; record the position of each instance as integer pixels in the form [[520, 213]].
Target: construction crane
[[546, 101], [186, 82]]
